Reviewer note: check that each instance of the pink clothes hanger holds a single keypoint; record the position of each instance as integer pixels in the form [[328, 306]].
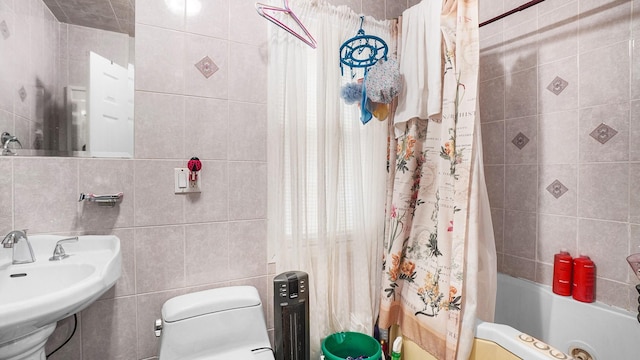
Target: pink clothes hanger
[[306, 38]]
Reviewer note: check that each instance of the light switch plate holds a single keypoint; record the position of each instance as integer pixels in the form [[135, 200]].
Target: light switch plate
[[185, 186]]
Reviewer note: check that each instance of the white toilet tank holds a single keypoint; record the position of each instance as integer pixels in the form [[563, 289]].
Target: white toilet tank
[[219, 324]]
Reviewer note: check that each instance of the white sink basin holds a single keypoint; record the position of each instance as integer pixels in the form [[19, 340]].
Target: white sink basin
[[36, 295]]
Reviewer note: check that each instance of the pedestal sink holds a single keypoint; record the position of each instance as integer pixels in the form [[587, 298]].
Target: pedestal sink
[[34, 296]]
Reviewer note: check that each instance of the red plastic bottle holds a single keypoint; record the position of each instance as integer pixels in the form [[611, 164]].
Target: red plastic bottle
[[584, 277], [562, 273]]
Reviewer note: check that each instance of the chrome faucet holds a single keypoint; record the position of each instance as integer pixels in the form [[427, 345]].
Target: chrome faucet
[[7, 139], [20, 255], [58, 252]]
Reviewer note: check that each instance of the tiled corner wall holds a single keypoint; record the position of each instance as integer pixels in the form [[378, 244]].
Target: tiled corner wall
[[172, 244], [560, 109]]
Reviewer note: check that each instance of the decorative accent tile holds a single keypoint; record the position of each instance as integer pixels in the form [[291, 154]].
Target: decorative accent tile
[[207, 67], [603, 133], [520, 141], [557, 85], [23, 93], [557, 189], [4, 29]]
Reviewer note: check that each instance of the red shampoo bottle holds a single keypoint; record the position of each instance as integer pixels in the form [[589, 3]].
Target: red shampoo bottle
[[584, 278], [562, 273]]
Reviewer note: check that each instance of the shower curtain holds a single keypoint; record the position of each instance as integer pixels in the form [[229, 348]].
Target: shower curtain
[[326, 188], [439, 261]]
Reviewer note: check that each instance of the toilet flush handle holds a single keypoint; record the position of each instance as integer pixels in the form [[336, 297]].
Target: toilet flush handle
[[158, 327]]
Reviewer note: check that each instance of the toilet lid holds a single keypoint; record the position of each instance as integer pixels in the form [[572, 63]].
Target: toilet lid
[[209, 301]]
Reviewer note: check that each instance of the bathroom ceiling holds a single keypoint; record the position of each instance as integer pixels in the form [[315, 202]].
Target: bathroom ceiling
[[112, 15]]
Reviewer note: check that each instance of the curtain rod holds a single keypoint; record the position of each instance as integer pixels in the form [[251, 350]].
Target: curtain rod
[[519, 8]]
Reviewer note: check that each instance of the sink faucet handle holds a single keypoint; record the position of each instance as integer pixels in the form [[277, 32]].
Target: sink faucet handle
[[58, 252]]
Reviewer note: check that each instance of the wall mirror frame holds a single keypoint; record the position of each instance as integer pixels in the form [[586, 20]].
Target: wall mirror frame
[[70, 72]]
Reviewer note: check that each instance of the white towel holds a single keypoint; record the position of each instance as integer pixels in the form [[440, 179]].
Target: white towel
[[420, 64]]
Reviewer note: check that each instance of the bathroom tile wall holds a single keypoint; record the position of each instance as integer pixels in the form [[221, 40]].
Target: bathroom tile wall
[[171, 244], [559, 102]]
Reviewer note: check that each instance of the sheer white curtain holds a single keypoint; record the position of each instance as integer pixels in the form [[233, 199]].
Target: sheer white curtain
[[326, 172]]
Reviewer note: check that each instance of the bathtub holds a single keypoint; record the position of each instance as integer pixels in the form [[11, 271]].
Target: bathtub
[[533, 323]]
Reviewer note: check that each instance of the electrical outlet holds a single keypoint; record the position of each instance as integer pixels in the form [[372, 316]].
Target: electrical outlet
[[183, 182]]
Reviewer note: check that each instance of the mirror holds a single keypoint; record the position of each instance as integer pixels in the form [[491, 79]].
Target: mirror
[[70, 71]]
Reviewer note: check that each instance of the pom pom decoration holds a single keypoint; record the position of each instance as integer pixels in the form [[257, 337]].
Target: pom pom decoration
[[351, 93]]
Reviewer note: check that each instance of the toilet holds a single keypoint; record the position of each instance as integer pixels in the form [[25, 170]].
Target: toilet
[[219, 324]]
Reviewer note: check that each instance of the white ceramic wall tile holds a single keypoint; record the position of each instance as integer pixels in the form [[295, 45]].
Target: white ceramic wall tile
[[211, 19], [206, 253], [103, 176], [375, 8], [245, 25], [634, 132], [603, 191], [488, 9], [558, 33], [491, 56], [495, 185], [634, 193], [519, 267], [248, 130], [493, 143], [554, 234], [544, 273], [159, 126], [554, 200], [159, 258], [156, 51], [155, 200], [109, 329], [247, 249], [46, 194], [520, 234], [598, 86], [520, 42], [596, 235], [558, 85], [521, 94], [206, 128], [521, 187], [616, 294], [161, 13], [616, 147], [196, 48], [603, 23], [247, 73], [635, 64], [558, 138], [521, 140], [492, 98], [247, 190], [212, 203]]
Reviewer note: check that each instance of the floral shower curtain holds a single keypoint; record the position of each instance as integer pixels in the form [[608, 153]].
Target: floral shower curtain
[[439, 262]]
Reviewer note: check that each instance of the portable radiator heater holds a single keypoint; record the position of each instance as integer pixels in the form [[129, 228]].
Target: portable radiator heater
[[291, 316]]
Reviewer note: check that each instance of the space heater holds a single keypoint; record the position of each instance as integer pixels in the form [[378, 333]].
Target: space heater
[[291, 316]]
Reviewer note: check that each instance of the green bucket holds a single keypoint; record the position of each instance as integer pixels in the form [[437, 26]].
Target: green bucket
[[341, 345]]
